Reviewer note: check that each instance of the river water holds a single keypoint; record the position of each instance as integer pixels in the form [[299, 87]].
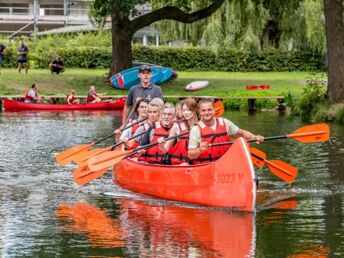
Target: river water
[[43, 213]]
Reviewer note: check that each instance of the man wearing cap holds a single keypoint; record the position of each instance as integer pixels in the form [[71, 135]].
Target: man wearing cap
[[144, 90]]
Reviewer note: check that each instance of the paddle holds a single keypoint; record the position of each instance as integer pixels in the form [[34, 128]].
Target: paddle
[[113, 157], [219, 108], [279, 168], [306, 134], [66, 156], [84, 156]]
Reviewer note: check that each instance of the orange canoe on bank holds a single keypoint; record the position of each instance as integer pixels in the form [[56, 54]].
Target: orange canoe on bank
[[229, 182]]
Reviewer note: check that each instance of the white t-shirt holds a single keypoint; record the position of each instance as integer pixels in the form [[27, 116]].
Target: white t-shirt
[[195, 133]]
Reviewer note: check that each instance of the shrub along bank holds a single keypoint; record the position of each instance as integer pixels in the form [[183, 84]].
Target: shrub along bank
[[87, 54]]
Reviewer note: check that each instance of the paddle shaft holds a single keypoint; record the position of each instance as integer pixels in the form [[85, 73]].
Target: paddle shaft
[[153, 144], [111, 135], [270, 138], [120, 143]]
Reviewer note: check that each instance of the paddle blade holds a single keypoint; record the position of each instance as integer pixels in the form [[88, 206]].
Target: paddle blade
[[219, 108], [84, 156], [258, 157], [283, 170], [312, 133], [67, 156], [107, 159], [84, 175]]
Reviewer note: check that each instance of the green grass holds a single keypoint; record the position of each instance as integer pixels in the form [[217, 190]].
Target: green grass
[[221, 83]]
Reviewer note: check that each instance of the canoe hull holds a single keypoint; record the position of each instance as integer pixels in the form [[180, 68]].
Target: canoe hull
[[225, 183], [15, 105]]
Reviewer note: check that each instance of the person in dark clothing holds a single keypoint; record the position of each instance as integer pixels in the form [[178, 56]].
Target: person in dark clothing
[[144, 90], [22, 57], [2, 51], [56, 66]]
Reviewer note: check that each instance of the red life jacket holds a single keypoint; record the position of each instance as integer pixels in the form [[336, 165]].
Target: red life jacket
[[179, 152], [213, 136], [27, 97], [155, 154], [91, 97], [133, 130], [72, 99]]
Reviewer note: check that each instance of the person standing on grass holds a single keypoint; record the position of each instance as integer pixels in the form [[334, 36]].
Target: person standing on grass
[[144, 90], [22, 57], [2, 51]]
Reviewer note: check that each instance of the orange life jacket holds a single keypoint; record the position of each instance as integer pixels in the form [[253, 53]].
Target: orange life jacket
[[155, 154], [178, 153], [213, 136]]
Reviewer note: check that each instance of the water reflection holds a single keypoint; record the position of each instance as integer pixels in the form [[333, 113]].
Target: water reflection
[[162, 231]]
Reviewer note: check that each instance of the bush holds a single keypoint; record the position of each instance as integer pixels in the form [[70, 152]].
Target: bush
[[312, 98], [93, 50]]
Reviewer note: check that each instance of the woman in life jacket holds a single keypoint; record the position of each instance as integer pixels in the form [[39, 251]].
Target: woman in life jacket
[[71, 98], [141, 113], [178, 149], [153, 115]]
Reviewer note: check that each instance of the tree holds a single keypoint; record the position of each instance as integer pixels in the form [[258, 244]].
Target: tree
[[335, 48], [126, 20]]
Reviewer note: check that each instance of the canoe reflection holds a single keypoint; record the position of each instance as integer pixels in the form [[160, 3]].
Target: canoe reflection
[[163, 231], [85, 218], [183, 232]]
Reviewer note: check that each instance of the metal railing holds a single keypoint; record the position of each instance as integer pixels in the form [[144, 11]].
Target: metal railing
[[51, 11]]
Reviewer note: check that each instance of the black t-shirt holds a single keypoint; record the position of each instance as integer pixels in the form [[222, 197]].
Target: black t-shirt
[[22, 48], [2, 48], [57, 62]]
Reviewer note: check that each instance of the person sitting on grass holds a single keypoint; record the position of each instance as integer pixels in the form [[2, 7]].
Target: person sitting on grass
[[92, 96], [56, 65], [31, 95], [71, 98]]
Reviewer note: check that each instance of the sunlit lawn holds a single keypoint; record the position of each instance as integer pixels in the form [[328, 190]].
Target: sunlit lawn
[[221, 83]]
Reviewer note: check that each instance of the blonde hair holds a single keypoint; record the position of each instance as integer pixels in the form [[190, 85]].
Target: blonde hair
[[158, 102]]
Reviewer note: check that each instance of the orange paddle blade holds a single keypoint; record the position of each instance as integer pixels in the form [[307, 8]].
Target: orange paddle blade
[[219, 108], [84, 175], [107, 159], [283, 170], [84, 156], [66, 156], [259, 162], [311, 133]]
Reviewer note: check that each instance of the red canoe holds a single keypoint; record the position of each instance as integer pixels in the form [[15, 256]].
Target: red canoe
[[228, 182], [15, 105]]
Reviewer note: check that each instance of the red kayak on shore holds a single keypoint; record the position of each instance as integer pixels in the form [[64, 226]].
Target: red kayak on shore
[[15, 105], [228, 182]]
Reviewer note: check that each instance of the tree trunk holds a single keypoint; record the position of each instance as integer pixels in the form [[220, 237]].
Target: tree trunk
[[271, 35], [121, 43], [335, 49]]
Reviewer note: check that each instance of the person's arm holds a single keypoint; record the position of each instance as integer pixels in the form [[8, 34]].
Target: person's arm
[[195, 148], [68, 100], [248, 136], [131, 143]]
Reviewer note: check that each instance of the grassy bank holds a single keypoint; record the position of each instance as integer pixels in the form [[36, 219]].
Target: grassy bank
[[221, 83]]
